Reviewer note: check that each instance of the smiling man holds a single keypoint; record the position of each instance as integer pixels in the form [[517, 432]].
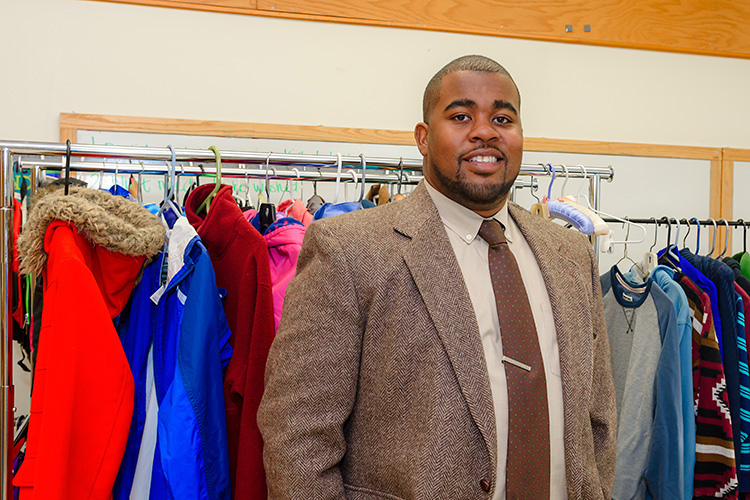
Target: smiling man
[[448, 346]]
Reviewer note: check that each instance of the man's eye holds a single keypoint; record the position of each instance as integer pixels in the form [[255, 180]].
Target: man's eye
[[460, 118], [502, 119]]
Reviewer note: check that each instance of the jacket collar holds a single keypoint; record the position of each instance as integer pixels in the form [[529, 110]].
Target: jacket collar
[[216, 228]]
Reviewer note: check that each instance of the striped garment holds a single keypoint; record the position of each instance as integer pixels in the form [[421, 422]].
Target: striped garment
[[715, 471], [744, 384]]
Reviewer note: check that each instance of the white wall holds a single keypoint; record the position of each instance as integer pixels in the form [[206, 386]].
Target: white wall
[[105, 58]]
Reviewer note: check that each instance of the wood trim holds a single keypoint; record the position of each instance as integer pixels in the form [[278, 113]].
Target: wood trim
[[719, 36], [233, 129], [727, 198], [621, 149], [736, 154], [71, 123]]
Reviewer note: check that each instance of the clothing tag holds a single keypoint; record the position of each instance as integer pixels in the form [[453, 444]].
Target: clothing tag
[[628, 297], [156, 296]]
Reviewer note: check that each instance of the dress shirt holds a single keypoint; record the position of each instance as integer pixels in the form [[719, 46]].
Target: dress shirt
[[462, 226]]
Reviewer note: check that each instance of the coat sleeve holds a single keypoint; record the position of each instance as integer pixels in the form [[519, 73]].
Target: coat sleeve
[[602, 409], [311, 374]]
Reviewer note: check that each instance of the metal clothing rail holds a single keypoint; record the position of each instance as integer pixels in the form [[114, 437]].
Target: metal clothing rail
[[12, 150]]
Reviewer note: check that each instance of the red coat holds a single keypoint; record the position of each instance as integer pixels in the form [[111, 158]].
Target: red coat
[[240, 258], [83, 389]]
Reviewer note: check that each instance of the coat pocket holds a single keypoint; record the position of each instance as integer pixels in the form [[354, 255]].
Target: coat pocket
[[362, 493]]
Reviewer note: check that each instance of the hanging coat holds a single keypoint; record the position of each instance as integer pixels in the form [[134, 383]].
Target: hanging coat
[[284, 239], [176, 338], [89, 247], [240, 258]]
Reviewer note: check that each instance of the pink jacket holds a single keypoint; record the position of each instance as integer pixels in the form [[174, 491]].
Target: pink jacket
[[284, 239]]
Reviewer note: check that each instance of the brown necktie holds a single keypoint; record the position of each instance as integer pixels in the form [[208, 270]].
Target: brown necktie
[[527, 470]]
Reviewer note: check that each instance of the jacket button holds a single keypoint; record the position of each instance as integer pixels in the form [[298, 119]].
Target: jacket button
[[485, 485]]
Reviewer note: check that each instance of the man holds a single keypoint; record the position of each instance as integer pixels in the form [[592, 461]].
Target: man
[[414, 361]]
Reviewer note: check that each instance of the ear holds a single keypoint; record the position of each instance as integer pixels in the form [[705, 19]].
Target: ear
[[420, 137]]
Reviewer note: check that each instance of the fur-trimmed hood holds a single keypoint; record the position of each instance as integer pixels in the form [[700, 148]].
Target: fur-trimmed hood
[[105, 220]]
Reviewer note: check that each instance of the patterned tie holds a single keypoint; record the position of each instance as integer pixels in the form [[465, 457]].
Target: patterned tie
[[527, 470]]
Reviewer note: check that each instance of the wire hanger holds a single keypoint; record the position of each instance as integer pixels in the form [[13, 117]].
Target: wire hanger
[[401, 173], [726, 239], [67, 166], [744, 235], [684, 238], [207, 202]]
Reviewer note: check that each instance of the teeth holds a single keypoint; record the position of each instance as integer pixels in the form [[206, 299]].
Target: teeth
[[484, 159]]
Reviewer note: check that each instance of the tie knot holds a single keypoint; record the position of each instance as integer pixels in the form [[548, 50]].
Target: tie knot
[[492, 232]]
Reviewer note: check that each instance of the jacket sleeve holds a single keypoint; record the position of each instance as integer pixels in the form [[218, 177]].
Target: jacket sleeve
[[602, 409], [311, 374]]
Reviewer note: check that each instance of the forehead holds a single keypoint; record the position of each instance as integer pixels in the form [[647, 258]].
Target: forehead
[[478, 86]]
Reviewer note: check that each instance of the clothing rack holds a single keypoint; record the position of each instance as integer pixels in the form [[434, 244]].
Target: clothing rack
[[309, 167]]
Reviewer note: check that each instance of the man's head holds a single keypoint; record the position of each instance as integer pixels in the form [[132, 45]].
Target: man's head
[[471, 137]]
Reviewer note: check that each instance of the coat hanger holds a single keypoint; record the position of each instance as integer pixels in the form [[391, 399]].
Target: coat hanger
[[625, 248], [67, 166], [168, 191], [650, 259], [744, 235], [267, 210], [713, 241], [207, 202], [140, 183], [566, 212], [697, 236], [684, 238], [726, 239], [401, 174], [338, 177], [364, 173], [353, 173]]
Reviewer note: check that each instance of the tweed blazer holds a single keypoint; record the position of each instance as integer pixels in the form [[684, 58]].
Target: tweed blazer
[[376, 384]]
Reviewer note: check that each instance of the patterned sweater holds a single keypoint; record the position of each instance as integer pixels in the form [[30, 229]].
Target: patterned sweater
[[715, 469]]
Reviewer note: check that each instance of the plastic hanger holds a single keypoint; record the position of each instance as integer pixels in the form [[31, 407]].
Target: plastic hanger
[[713, 241], [601, 228], [207, 202], [338, 178], [744, 235], [353, 173], [650, 259], [168, 192], [560, 210], [400, 174], [67, 166], [697, 236], [364, 173], [140, 183], [726, 239], [267, 211]]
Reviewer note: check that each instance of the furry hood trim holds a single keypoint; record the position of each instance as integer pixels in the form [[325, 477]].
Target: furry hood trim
[[117, 224]]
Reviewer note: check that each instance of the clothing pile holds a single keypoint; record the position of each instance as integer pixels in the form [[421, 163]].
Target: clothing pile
[[680, 367]]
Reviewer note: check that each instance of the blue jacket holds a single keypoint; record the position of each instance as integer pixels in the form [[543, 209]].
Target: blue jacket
[[176, 311]]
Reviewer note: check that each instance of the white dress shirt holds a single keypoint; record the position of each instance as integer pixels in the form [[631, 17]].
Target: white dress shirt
[[462, 226]]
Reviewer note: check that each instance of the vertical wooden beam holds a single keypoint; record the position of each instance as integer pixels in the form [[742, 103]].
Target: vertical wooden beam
[[727, 196], [715, 197]]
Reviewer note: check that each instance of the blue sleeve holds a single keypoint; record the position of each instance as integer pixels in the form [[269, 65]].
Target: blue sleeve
[[665, 471]]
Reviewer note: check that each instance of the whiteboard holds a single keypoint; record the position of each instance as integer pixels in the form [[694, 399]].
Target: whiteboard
[[642, 187]]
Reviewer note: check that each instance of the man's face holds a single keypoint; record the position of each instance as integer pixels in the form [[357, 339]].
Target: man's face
[[473, 144]]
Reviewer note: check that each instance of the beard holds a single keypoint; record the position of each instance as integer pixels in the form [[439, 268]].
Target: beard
[[474, 195]]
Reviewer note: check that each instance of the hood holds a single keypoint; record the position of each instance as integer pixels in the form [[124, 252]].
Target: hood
[[108, 221], [285, 231], [194, 200]]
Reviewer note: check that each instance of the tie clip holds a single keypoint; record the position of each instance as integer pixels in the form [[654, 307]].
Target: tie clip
[[516, 363]]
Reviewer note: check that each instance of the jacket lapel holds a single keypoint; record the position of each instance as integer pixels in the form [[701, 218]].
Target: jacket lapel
[[435, 270]]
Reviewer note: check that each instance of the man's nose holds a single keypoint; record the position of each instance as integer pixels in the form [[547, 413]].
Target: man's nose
[[483, 131]]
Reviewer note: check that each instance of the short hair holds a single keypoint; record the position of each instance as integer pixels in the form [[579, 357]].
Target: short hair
[[464, 63]]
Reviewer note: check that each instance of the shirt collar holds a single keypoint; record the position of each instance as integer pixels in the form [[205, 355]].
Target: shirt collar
[[463, 221]]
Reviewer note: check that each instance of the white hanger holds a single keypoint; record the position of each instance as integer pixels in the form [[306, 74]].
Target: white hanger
[[338, 177]]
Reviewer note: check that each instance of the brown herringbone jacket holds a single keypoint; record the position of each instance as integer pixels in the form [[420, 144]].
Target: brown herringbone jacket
[[376, 385]]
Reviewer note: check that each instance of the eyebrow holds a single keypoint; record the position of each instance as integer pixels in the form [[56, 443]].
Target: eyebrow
[[468, 103]]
